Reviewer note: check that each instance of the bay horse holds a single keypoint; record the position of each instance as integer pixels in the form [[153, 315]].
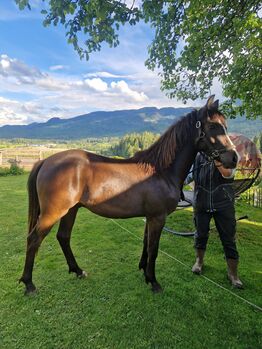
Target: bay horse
[[145, 185]]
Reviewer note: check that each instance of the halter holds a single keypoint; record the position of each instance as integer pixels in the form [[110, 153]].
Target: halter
[[211, 154]]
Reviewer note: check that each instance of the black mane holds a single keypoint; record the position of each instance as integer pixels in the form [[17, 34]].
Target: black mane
[[162, 153]]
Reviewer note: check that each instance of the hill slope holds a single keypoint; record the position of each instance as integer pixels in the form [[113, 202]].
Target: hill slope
[[114, 123]]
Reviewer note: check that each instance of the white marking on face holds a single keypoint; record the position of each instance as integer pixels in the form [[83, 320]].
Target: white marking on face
[[224, 139]]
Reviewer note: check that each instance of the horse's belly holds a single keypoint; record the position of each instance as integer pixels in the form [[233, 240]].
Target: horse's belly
[[110, 203], [116, 209], [115, 212], [125, 198]]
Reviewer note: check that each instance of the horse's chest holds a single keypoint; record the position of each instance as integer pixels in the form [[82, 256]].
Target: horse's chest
[[164, 199], [171, 200]]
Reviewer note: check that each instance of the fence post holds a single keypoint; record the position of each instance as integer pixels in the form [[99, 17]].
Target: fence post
[[40, 155], [1, 158]]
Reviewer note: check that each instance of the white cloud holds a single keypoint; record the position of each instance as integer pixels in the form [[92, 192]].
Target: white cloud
[[22, 73], [13, 112], [4, 63], [104, 74], [61, 95], [58, 67], [50, 83], [96, 84], [124, 89]]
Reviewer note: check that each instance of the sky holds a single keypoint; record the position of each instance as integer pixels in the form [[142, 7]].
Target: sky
[[41, 76]]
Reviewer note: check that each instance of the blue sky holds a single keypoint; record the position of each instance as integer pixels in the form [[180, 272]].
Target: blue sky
[[41, 76]]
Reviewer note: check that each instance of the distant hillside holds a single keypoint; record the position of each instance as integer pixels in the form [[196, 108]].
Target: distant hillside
[[115, 123]]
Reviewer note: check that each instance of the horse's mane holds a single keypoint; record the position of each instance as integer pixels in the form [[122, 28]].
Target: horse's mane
[[162, 153]]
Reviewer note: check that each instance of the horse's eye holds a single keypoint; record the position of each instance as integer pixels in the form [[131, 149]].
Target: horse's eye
[[212, 126]]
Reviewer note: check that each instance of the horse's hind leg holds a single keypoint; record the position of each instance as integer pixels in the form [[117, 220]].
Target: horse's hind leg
[[143, 259], [63, 236], [155, 226], [34, 241]]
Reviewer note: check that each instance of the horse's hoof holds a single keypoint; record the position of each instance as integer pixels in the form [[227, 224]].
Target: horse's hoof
[[83, 275], [30, 290], [156, 288]]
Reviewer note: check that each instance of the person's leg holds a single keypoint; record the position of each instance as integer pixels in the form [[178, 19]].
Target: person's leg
[[226, 226], [202, 221]]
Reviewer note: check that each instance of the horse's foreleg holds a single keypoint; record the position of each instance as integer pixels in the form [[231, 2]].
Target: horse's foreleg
[[143, 259], [155, 226], [63, 236], [34, 240]]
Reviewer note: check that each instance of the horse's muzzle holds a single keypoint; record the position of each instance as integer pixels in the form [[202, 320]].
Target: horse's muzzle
[[229, 159]]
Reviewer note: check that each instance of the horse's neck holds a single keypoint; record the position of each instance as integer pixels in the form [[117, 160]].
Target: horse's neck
[[180, 167]]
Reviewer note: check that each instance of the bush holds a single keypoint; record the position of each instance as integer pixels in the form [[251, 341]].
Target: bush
[[14, 170]]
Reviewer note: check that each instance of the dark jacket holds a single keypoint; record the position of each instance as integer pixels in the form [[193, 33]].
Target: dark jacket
[[212, 191]]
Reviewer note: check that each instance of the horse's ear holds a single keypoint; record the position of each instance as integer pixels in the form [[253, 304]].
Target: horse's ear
[[215, 105], [210, 101], [211, 105]]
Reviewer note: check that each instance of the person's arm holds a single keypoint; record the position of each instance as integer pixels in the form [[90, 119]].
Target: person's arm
[[189, 179]]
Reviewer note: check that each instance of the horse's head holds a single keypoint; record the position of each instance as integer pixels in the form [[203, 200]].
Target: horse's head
[[212, 137]]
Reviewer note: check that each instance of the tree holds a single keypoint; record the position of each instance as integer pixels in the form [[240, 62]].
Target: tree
[[258, 141], [133, 142], [195, 41]]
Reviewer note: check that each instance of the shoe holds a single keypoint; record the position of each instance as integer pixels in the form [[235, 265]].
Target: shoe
[[198, 266], [232, 265]]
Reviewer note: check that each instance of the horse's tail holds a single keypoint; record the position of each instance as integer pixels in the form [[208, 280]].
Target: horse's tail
[[33, 201]]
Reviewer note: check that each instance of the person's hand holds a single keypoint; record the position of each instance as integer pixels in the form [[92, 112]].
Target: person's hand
[[218, 163], [225, 172]]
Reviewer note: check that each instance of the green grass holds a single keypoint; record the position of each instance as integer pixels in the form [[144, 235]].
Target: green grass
[[114, 308]]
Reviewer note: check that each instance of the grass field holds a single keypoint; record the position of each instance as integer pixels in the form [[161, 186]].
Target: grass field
[[114, 308]]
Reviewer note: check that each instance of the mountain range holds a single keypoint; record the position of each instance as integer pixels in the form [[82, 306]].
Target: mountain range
[[115, 123]]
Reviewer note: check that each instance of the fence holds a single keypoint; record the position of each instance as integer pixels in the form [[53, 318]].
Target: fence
[[25, 157], [253, 197]]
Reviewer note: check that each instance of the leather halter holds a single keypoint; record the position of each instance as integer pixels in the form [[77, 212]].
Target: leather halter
[[212, 154]]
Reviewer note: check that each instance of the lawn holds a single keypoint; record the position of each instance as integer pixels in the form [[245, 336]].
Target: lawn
[[113, 307]]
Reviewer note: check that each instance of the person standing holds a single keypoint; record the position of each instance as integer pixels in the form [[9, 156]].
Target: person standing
[[214, 197]]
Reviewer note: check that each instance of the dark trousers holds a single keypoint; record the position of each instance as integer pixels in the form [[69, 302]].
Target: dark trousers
[[226, 226]]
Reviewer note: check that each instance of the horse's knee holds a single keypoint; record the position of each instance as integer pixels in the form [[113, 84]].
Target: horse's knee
[[61, 237], [33, 237]]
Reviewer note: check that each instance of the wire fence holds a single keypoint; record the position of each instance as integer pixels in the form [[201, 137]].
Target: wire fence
[[253, 197]]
